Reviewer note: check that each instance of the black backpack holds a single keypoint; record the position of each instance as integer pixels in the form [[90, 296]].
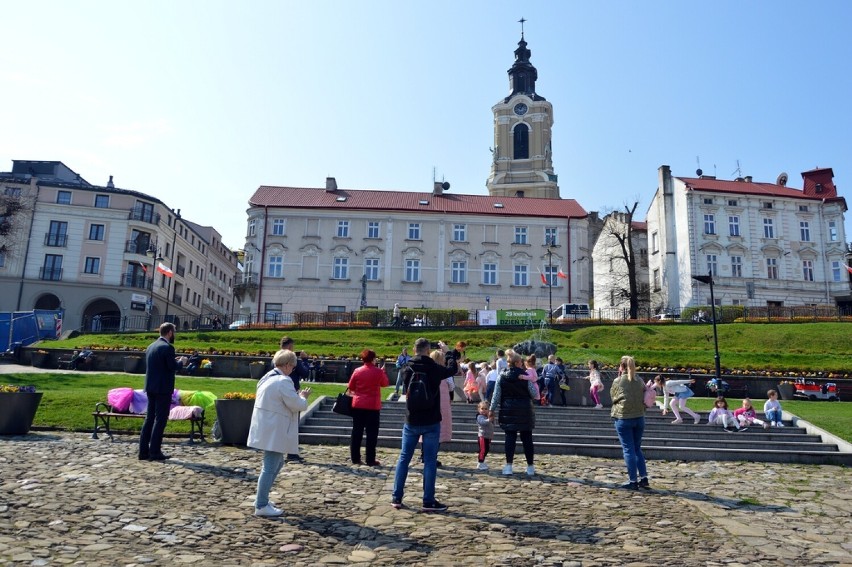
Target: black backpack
[[417, 396]]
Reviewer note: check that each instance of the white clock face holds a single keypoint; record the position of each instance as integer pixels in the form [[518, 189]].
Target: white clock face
[[520, 109]]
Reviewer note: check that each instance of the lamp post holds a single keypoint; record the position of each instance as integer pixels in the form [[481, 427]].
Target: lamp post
[[550, 280], [364, 291], [708, 279], [153, 253]]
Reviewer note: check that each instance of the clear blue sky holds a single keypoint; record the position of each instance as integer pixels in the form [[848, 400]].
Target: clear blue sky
[[199, 103]]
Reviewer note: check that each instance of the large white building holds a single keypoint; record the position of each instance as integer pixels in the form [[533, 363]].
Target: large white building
[[93, 251], [325, 248], [612, 289], [765, 244]]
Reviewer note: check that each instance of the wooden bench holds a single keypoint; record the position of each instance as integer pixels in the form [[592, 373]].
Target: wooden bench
[[104, 414]]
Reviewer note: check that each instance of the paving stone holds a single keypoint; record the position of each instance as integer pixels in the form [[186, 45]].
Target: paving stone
[[68, 499]]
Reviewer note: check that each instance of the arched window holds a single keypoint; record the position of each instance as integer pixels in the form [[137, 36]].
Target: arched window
[[522, 141]]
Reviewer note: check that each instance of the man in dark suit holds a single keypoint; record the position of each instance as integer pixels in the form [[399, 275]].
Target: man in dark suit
[[159, 385], [300, 372]]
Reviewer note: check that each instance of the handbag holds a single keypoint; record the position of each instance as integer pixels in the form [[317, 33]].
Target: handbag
[[343, 404]]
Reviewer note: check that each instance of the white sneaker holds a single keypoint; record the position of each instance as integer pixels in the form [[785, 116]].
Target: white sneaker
[[530, 470], [507, 470], [772, 425], [268, 511], [766, 425], [482, 467], [780, 424], [599, 406]]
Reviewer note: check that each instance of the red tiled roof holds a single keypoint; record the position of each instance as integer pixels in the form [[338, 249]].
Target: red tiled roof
[[360, 199], [744, 188], [639, 225]]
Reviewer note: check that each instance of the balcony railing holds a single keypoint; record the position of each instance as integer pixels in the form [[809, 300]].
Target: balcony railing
[[144, 215], [52, 274], [180, 270], [53, 239], [137, 246], [177, 300], [245, 278], [140, 281]]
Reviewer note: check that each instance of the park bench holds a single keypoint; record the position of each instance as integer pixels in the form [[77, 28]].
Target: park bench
[[104, 416], [64, 362]]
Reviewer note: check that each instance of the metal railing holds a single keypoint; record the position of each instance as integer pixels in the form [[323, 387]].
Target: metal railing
[[51, 274], [145, 215], [53, 239], [136, 280]]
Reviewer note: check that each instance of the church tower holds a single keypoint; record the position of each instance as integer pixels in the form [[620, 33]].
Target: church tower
[[522, 163]]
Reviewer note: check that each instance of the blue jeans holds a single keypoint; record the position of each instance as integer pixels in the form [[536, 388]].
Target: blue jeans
[[773, 416], [272, 464], [551, 386], [630, 434], [410, 435]]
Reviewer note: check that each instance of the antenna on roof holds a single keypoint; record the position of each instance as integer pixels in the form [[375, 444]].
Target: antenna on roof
[[737, 171]]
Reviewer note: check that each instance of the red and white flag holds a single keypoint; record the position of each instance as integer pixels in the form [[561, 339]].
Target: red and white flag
[[849, 269], [561, 274], [163, 269], [144, 267]]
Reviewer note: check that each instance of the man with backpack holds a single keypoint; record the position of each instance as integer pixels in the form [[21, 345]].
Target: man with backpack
[[422, 380]]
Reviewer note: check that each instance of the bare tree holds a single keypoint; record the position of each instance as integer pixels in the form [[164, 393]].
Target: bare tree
[[10, 209], [618, 247]]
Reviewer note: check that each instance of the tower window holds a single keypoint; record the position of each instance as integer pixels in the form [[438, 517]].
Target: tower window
[[522, 142]]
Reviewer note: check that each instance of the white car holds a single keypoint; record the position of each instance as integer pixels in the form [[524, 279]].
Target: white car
[[237, 324], [666, 317]]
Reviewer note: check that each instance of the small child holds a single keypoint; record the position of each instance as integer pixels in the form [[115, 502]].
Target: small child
[[747, 416], [720, 415], [482, 379], [596, 385], [485, 424], [772, 409], [532, 375], [470, 388]]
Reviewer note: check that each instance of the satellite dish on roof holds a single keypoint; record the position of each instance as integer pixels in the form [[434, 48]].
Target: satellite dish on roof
[[445, 185], [698, 172], [782, 179]]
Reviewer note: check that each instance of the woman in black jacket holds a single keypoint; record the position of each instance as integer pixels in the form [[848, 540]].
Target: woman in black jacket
[[513, 397]]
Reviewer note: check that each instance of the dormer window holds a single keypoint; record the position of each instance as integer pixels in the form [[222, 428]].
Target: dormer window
[[819, 187], [767, 204]]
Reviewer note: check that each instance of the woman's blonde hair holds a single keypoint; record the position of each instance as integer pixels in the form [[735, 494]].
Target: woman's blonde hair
[[629, 366], [513, 358], [438, 357], [283, 357]]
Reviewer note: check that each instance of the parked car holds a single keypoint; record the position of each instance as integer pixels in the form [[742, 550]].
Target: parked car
[[666, 317], [237, 324], [810, 390]]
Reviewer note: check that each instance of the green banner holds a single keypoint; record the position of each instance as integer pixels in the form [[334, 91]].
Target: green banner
[[521, 316]]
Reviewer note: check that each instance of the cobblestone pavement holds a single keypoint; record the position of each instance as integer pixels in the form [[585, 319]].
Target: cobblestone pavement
[[69, 499]]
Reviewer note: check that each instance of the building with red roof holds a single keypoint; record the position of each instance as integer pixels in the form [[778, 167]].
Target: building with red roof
[[764, 244]]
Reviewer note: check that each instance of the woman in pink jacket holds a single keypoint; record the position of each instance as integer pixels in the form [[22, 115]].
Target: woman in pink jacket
[[365, 386]]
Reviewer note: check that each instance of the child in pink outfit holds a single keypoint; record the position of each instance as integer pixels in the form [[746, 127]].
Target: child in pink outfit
[[746, 416], [532, 375], [720, 415]]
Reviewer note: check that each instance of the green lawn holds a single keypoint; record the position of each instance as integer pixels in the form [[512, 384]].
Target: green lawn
[[744, 346], [69, 400]]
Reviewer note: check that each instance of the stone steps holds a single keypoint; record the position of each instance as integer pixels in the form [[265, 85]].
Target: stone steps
[[589, 432]]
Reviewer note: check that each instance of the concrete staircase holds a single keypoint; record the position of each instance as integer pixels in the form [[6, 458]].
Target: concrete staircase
[[589, 432]]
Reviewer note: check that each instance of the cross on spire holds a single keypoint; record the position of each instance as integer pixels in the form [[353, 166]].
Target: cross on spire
[[521, 21]]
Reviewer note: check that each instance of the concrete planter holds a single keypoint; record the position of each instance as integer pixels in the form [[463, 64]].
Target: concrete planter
[[17, 412], [234, 418], [257, 370], [786, 391], [133, 365], [40, 359]]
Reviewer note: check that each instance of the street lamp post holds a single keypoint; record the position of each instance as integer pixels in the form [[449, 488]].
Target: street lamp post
[[152, 253], [364, 291], [550, 280], [708, 279]]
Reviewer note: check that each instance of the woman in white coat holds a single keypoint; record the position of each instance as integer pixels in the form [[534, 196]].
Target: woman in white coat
[[275, 425]]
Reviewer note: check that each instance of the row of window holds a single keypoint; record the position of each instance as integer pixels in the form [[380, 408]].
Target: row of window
[[412, 273], [837, 269], [768, 229], [763, 204], [414, 231], [64, 198]]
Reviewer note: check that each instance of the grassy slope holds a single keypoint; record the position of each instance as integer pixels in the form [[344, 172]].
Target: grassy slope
[[744, 346]]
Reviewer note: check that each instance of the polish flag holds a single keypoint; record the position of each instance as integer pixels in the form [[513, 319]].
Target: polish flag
[[165, 270], [543, 279], [144, 267], [849, 269], [561, 274]]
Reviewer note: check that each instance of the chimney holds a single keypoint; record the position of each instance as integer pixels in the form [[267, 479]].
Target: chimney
[[110, 184], [748, 178], [330, 184], [437, 188]]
